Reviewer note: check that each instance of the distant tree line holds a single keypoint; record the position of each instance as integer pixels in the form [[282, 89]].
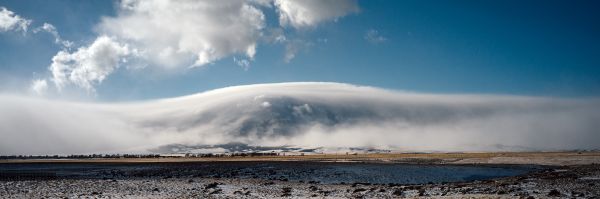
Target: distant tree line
[[99, 156], [89, 156], [210, 155]]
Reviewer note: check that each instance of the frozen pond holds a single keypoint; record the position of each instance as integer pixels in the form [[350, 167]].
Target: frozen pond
[[316, 172]]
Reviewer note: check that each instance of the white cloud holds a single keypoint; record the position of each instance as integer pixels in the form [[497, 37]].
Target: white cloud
[[88, 65], [184, 33], [172, 35], [49, 28], [10, 21], [308, 13], [265, 104], [244, 63], [275, 36], [293, 47], [374, 37], [39, 86], [304, 115]]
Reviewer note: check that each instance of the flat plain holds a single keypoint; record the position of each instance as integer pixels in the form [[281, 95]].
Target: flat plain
[[384, 175], [538, 158]]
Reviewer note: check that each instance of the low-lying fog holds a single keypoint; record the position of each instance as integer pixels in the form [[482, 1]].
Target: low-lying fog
[[307, 115]]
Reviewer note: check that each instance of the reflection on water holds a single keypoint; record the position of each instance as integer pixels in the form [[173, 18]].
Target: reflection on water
[[323, 172]]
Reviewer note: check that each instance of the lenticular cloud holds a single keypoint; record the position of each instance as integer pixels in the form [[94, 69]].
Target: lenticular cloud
[[310, 115]]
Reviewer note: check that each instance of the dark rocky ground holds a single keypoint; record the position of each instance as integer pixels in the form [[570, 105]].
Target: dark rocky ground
[[578, 181]]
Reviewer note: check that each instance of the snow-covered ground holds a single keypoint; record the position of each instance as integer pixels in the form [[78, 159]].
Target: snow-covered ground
[[567, 181]]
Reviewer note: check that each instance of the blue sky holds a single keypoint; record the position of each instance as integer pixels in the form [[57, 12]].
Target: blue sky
[[540, 48]]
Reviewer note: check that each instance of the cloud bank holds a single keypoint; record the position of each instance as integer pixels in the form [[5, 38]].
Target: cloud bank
[[303, 115]]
